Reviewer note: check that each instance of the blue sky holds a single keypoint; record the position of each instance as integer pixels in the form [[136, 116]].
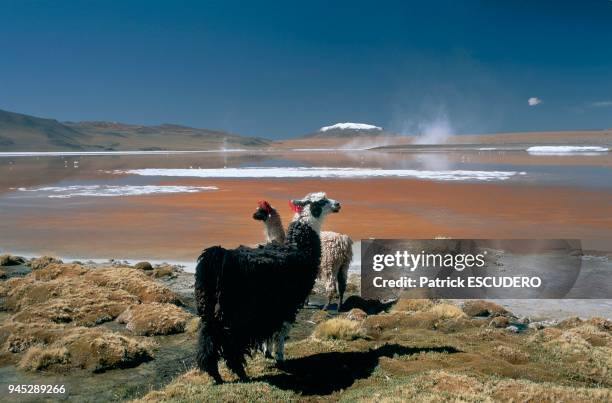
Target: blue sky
[[280, 69]]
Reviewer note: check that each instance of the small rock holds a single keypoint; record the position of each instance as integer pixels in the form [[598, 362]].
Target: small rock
[[10, 260], [143, 266], [513, 329], [524, 321]]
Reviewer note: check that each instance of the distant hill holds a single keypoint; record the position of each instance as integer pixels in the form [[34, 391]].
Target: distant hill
[[28, 133], [20, 132], [112, 135]]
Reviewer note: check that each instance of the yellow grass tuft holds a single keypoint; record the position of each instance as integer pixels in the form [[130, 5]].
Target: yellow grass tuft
[[483, 308], [41, 358], [411, 305], [133, 281], [511, 355], [164, 271], [56, 270], [338, 329], [43, 261], [440, 385], [193, 325], [195, 386], [446, 311], [59, 348], [319, 316], [155, 319]]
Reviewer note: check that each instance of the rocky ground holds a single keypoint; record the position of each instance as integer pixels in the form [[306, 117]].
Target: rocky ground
[[117, 332]]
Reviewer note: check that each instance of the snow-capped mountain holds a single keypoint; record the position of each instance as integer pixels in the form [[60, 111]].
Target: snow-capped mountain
[[347, 129], [350, 126]]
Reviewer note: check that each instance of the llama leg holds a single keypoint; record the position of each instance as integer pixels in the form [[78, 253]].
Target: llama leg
[[208, 355], [342, 278], [234, 359], [267, 347], [330, 287], [280, 342]]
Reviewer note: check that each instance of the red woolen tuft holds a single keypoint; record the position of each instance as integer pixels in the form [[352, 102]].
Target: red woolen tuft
[[265, 206], [294, 208]]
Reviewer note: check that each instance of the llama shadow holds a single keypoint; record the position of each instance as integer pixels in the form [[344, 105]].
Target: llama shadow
[[325, 373]]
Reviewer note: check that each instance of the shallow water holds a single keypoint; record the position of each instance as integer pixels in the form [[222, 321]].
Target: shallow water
[[133, 205]]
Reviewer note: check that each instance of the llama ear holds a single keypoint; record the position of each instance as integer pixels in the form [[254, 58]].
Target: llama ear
[[296, 206], [299, 203]]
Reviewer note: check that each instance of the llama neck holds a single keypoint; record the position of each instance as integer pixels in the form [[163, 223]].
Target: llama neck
[[302, 235], [306, 218], [273, 228]]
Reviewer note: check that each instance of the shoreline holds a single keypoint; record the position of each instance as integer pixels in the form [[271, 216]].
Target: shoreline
[[545, 311]]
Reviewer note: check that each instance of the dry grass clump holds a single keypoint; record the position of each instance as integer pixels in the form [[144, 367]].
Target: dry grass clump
[[124, 285], [70, 300], [512, 355], [133, 281], [441, 316], [10, 260], [195, 386], [440, 385], [69, 292], [577, 340], [93, 349], [41, 358], [164, 271], [155, 319], [56, 347], [17, 337], [338, 329], [446, 311], [483, 308], [585, 347], [82, 308], [319, 316], [600, 323], [374, 325], [193, 325], [57, 270], [411, 305], [43, 261], [499, 321], [52, 305]]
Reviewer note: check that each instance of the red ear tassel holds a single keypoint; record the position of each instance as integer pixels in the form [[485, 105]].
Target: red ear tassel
[[264, 205], [294, 208]]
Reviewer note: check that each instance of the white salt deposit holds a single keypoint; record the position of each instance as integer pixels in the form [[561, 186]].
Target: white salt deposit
[[66, 192], [566, 149], [325, 172]]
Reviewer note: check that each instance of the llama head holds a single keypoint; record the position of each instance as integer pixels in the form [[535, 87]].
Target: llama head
[[314, 208], [264, 211]]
